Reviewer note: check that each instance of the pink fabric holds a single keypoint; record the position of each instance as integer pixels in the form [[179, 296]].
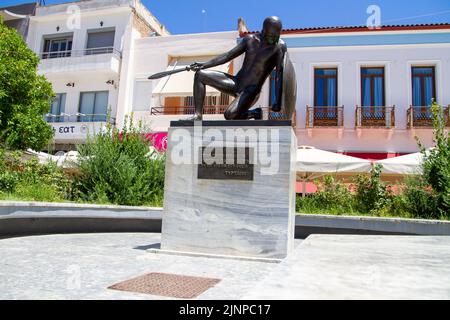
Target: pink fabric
[[158, 140]]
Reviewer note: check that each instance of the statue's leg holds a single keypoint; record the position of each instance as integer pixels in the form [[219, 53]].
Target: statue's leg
[[239, 108], [219, 80]]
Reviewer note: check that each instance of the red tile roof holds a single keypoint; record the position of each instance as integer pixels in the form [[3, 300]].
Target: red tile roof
[[434, 26]]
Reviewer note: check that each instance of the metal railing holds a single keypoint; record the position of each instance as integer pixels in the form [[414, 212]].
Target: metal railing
[[186, 110], [79, 117], [79, 53], [381, 117], [419, 116], [324, 116], [209, 110]]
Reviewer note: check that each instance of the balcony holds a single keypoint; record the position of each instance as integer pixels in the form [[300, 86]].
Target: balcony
[[375, 117], [212, 110], [79, 117], [419, 117], [76, 128], [159, 111], [105, 59], [324, 116], [447, 116]]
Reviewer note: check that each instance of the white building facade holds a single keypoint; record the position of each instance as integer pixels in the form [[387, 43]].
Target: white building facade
[[360, 92], [85, 48]]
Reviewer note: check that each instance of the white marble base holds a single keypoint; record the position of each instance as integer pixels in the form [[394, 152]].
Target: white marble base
[[212, 256], [230, 217]]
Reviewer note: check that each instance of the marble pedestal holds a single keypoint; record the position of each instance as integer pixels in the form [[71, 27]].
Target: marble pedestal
[[246, 210]]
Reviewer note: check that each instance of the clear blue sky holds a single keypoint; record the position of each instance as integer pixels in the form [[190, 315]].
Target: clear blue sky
[[185, 16]]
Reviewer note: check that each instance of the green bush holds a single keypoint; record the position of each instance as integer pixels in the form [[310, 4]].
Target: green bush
[[372, 195], [418, 199], [117, 167], [29, 180], [331, 197], [436, 167], [8, 181]]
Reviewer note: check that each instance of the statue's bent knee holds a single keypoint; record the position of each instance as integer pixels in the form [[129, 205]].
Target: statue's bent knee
[[199, 75]]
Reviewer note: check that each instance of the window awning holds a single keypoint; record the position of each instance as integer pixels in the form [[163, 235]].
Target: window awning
[[181, 84]]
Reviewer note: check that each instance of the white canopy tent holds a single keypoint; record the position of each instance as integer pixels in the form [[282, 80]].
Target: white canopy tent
[[61, 159], [43, 157], [314, 160], [312, 163], [403, 165], [8, 15], [181, 84]]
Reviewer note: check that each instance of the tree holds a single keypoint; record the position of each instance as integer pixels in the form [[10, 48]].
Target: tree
[[24, 95]]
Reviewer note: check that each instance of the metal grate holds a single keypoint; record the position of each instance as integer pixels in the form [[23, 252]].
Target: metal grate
[[167, 285]]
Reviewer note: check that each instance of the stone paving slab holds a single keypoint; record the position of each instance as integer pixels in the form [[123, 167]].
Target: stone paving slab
[[362, 267], [83, 266]]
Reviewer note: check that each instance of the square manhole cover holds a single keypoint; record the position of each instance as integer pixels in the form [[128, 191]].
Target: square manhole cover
[[168, 285]]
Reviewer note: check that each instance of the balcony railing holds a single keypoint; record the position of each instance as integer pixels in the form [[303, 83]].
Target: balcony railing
[[267, 113], [324, 116], [447, 115], [186, 110], [79, 117], [380, 117], [419, 117], [79, 53]]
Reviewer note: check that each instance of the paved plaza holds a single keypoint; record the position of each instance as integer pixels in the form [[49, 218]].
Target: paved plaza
[[83, 266]]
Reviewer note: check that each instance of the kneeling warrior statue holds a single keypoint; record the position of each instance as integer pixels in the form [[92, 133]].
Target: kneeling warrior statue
[[264, 52]]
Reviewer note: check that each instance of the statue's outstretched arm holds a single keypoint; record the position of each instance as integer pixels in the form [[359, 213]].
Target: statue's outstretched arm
[[228, 56], [279, 80]]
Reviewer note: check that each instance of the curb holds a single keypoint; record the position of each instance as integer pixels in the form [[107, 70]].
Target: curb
[[32, 218]]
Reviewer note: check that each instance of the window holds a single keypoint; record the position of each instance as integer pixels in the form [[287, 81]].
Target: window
[[423, 86], [57, 108], [142, 95], [59, 47], [93, 106], [100, 42], [372, 92], [372, 87], [325, 87]]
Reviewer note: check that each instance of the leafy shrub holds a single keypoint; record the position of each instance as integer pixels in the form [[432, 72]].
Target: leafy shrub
[[331, 196], [418, 199], [372, 195], [436, 167], [29, 180], [117, 167], [8, 181]]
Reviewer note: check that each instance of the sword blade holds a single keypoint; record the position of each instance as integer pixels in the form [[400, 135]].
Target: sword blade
[[167, 73]]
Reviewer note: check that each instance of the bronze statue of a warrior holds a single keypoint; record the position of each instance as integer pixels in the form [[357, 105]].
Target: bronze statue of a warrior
[[264, 52]]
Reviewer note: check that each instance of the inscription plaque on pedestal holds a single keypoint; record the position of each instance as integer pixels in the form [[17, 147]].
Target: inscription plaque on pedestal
[[226, 163]]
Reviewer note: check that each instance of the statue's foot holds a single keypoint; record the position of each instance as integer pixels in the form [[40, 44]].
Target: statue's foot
[[256, 114], [276, 109], [196, 117]]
